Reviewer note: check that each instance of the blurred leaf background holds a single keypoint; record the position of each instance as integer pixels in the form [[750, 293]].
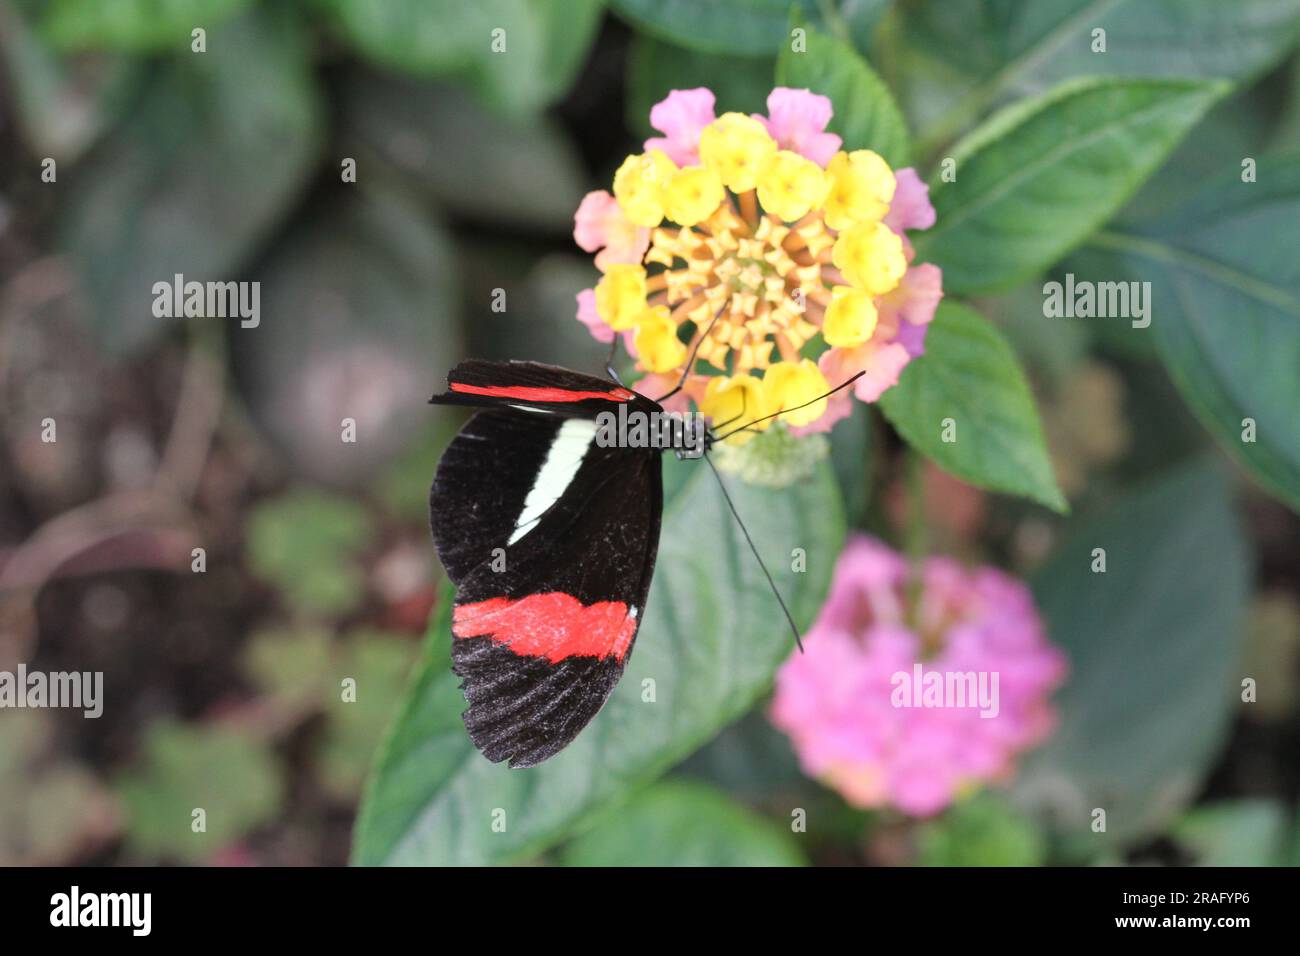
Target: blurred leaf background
[[260, 688]]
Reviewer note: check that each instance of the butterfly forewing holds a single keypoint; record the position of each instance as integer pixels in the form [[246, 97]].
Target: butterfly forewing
[[550, 540]]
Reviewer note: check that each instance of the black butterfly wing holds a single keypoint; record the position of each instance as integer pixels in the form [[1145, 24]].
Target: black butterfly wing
[[550, 540]]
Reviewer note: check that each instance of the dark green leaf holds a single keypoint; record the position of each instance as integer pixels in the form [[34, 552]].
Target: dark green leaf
[[1015, 48], [969, 376], [224, 139], [866, 116], [136, 25], [520, 55], [521, 171], [980, 831], [1226, 311], [1153, 644], [1236, 833], [682, 823], [711, 641], [747, 27], [60, 105], [1040, 177], [741, 83]]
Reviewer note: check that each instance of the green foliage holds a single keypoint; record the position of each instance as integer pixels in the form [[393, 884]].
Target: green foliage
[[746, 27], [1226, 313], [711, 641], [228, 773], [1040, 177], [380, 664], [1022, 46], [741, 83], [226, 139], [1236, 833], [505, 170], [682, 823], [134, 25], [50, 809], [304, 672], [970, 375], [306, 543], [1153, 644], [545, 43], [58, 112], [980, 831], [866, 116], [989, 53]]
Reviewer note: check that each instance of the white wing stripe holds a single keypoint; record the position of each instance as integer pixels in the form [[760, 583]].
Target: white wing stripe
[[561, 465]]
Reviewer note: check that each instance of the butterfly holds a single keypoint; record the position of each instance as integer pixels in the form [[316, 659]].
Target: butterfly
[[549, 536]]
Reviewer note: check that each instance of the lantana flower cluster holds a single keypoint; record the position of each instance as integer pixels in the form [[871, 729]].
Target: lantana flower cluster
[[750, 237], [841, 706]]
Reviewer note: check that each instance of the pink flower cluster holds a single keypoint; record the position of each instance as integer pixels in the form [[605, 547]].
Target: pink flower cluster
[[841, 705]]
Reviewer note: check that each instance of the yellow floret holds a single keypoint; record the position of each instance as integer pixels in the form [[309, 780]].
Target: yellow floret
[[850, 318], [734, 401], [620, 295], [735, 146], [792, 384], [870, 255], [861, 188], [790, 185], [639, 187], [692, 195], [657, 345]]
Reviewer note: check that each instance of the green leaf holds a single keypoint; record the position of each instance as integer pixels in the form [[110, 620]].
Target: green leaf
[[227, 773], [1039, 178], [60, 105], [1235, 833], [969, 375], [521, 171], [1017, 48], [134, 25], [53, 810], [747, 27], [741, 83], [980, 831], [866, 116], [1153, 644], [225, 139], [519, 55], [1026, 46], [305, 543], [711, 640], [682, 823], [1225, 288], [851, 457], [379, 663]]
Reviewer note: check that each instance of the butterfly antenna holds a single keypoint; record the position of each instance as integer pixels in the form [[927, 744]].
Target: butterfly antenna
[[690, 362], [786, 411], [609, 360], [772, 584]]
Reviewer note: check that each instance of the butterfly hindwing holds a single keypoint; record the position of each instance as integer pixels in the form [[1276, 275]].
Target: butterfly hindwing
[[550, 540]]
